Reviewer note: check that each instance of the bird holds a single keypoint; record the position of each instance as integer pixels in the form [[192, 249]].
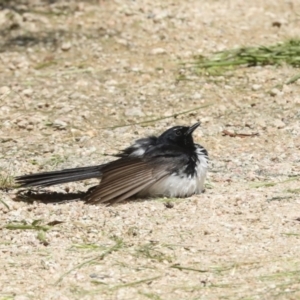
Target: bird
[[169, 165]]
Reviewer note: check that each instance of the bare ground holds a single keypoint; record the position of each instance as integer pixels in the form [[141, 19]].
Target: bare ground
[[69, 71]]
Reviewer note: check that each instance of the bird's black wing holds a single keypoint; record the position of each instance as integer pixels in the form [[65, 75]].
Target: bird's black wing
[[126, 177]]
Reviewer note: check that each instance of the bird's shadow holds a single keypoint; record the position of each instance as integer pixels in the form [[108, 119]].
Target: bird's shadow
[[50, 197]]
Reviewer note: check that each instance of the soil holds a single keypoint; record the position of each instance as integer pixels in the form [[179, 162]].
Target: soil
[[71, 73]]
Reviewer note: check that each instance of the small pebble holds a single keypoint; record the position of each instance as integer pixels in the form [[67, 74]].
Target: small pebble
[[59, 124], [4, 90], [275, 92], [27, 92], [256, 87], [261, 122], [66, 46], [279, 124], [134, 112], [158, 51]]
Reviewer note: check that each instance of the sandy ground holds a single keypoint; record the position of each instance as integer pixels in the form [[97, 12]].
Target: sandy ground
[[69, 71]]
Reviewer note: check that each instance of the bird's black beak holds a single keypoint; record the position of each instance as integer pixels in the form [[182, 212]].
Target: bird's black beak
[[192, 128]]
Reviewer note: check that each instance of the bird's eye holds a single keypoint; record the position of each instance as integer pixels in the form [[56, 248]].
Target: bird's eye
[[178, 132]]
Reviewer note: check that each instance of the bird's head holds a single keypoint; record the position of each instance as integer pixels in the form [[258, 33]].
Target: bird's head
[[179, 135]]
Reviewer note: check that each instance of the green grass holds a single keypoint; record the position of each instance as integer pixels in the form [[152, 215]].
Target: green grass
[[134, 283], [152, 252], [217, 278], [267, 286], [35, 225], [268, 184], [293, 191], [8, 297], [152, 296], [105, 288], [4, 203], [287, 52], [160, 118], [46, 64], [118, 245], [6, 182], [89, 247]]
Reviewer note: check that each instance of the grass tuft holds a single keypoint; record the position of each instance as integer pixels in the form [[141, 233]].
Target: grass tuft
[[35, 225], [6, 182], [287, 52]]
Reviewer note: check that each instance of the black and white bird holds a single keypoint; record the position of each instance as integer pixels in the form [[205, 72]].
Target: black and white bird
[[170, 165]]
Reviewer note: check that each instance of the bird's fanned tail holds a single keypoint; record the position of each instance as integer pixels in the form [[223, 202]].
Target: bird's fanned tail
[[57, 177]]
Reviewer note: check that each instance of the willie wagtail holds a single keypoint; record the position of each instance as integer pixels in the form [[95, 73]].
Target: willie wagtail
[[170, 165]]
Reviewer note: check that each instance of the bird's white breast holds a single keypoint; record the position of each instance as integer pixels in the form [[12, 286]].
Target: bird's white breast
[[181, 184]]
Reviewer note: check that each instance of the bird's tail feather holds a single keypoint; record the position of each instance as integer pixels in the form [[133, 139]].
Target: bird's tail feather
[[58, 177]]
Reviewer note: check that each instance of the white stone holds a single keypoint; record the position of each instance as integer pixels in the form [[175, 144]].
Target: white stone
[[158, 51], [278, 123], [256, 87], [134, 112], [66, 46]]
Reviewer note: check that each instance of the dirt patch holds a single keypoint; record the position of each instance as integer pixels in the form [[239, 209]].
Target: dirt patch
[[70, 71]]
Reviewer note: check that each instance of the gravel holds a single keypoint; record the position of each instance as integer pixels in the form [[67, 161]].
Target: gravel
[[71, 73]]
